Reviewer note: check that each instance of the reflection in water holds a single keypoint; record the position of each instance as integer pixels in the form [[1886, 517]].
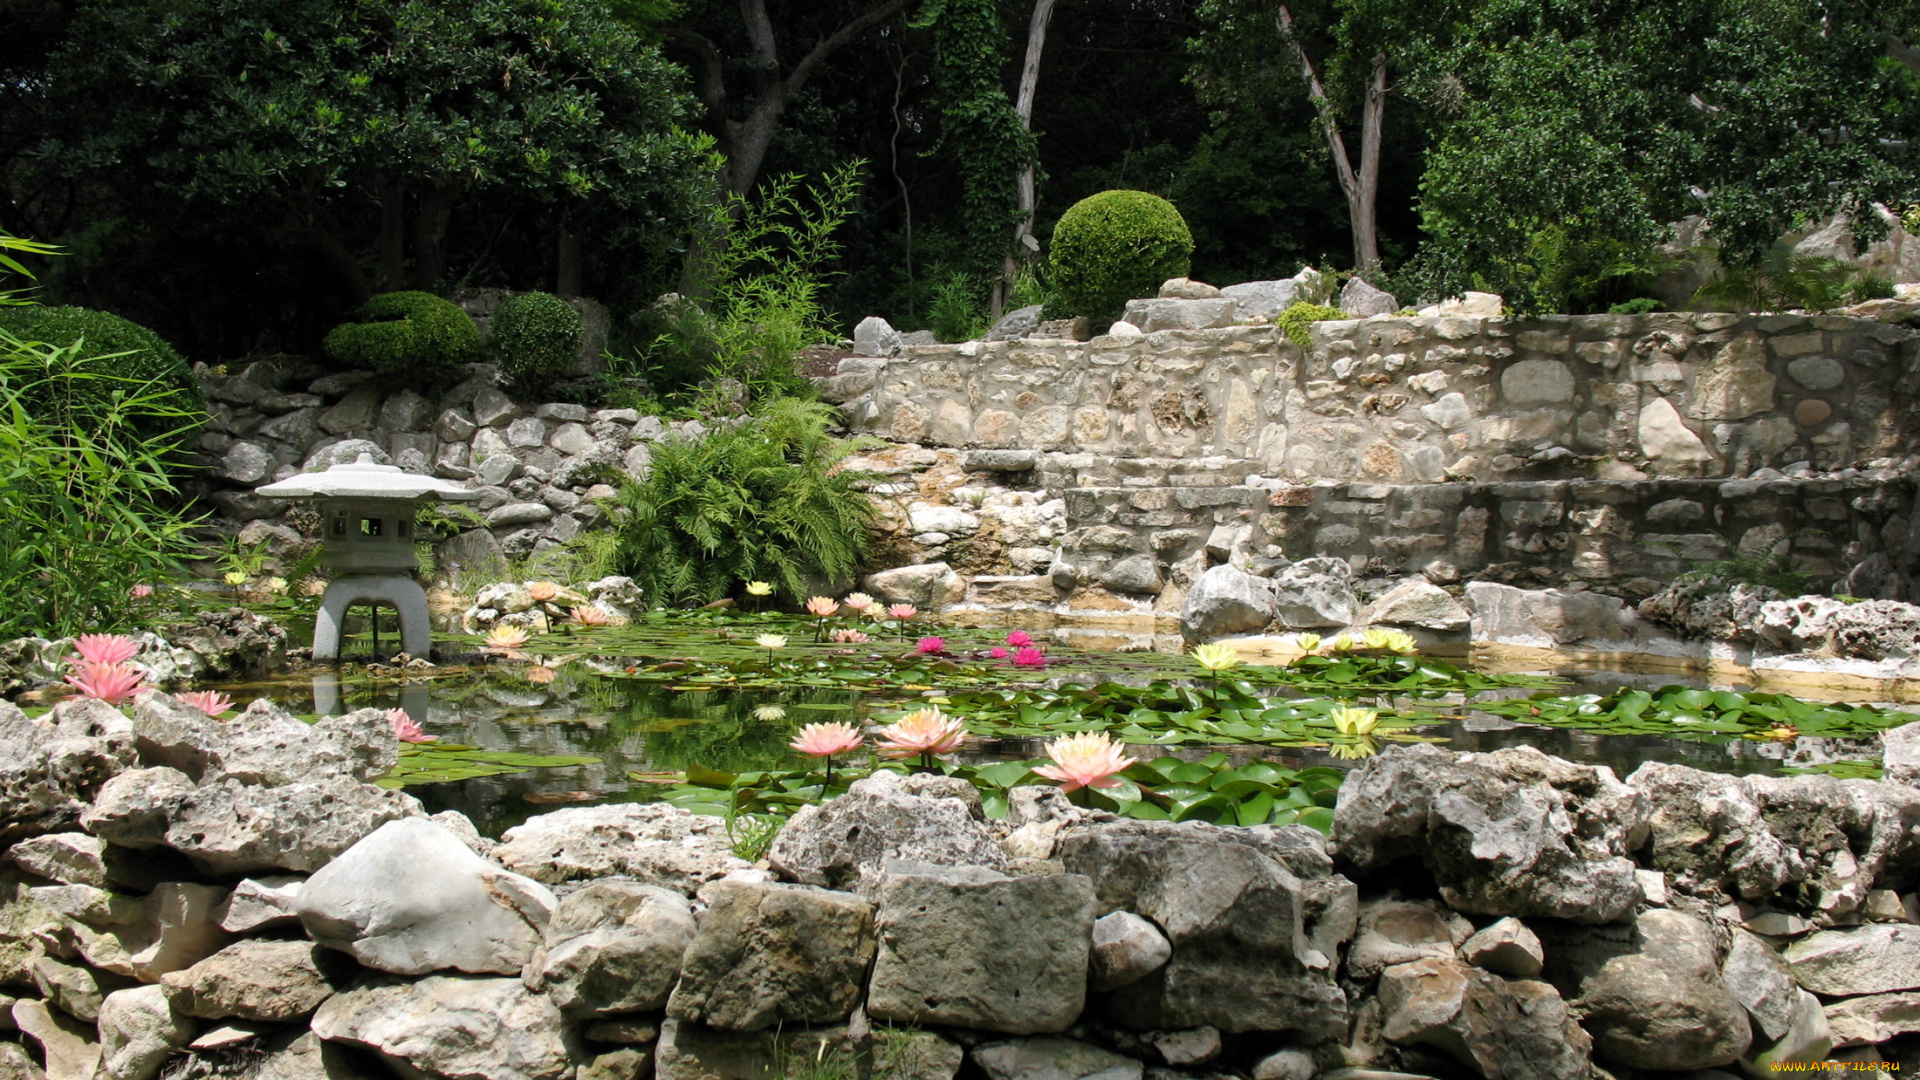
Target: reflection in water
[[647, 728]]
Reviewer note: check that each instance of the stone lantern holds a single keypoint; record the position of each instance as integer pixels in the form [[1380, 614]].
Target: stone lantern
[[367, 541]]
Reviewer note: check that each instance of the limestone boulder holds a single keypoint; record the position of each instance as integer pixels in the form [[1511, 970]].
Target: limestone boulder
[[1052, 1059], [411, 898], [1503, 1030], [1507, 948], [132, 808], [882, 817], [1226, 600], [952, 949], [1314, 593], [1416, 602], [769, 954], [50, 771], [1126, 949], [234, 642], [1873, 1018], [69, 1048], [1708, 832], [74, 989], [1652, 998], [78, 859], [651, 842], [454, 1026], [1808, 1039], [613, 947], [1874, 959], [1254, 917], [138, 1031], [1514, 832], [262, 903], [1170, 314], [1544, 617], [1260, 300], [268, 745], [230, 828], [924, 585], [1016, 324], [1360, 300], [874, 336], [173, 927], [1393, 932], [268, 981]]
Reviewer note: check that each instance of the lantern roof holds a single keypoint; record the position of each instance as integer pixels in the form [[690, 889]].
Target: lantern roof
[[363, 479]]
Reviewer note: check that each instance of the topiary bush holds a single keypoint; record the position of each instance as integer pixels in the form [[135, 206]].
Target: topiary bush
[[1114, 247], [536, 336], [144, 359], [412, 333]]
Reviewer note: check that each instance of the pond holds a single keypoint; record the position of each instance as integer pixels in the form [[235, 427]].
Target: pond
[[685, 706]]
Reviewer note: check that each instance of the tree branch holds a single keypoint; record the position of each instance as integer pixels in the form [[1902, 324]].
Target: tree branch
[[1321, 106], [712, 87], [1908, 56], [803, 70]]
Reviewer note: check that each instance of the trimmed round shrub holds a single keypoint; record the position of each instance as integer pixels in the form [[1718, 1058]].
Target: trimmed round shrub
[[536, 335], [406, 333], [1114, 247], [145, 356]]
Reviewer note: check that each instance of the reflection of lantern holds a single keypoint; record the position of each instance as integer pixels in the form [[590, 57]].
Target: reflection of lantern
[[367, 538]]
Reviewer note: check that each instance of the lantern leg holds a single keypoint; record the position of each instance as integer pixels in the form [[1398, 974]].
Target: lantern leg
[[398, 591]]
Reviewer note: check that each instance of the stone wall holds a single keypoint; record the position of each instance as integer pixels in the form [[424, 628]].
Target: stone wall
[[239, 892], [1422, 400]]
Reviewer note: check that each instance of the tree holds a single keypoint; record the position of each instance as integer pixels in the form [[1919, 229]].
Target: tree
[[743, 119], [366, 126]]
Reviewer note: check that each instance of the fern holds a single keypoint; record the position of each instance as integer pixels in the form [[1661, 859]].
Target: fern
[[1783, 280], [762, 501]]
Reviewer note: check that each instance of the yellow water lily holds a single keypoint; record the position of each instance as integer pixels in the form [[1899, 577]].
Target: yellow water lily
[[771, 641], [1215, 657], [234, 577], [759, 588], [1342, 643], [1397, 641], [1306, 643], [1363, 747], [1353, 720]]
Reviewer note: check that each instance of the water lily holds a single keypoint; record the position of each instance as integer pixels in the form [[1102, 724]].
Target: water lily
[[1353, 720], [925, 733], [997, 653], [277, 586], [111, 683], [1343, 643], [1394, 641], [1363, 746], [771, 642], [1029, 657], [826, 740], [590, 615], [759, 588], [540, 674], [1019, 639], [507, 638], [542, 591], [235, 578], [769, 713], [1215, 657], [1089, 759], [105, 648], [211, 702], [822, 606], [141, 591], [406, 730], [857, 602], [1306, 643], [932, 646], [849, 636]]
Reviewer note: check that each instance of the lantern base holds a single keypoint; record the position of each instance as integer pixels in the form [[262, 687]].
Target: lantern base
[[397, 591]]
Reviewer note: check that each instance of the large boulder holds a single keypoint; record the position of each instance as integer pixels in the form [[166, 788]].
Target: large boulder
[[1226, 600], [613, 947], [453, 1026], [1314, 593], [1652, 998], [230, 829], [411, 898], [1874, 959], [138, 1032], [770, 954], [1514, 832], [966, 946], [234, 642], [51, 767], [1502, 1030], [1052, 1059], [1254, 916], [1417, 602], [652, 842], [1360, 300], [1545, 617], [885, 816], [1707, 832], [924, 585], [173, 927]]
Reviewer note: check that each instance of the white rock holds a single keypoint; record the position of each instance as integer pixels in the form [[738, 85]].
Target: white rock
[[1860, 1021], [411, 898], [1863, 960], [1664, 436], [1126, 949], [1507, 948], [138, 1030], [69, 1047], [258, 903], [1124, 329], [653, 842], [455, 1027]]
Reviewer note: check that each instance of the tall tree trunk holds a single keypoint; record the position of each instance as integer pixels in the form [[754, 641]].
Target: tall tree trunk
[[430, 235], [1023, 181], [1361, 189], [906, 195]]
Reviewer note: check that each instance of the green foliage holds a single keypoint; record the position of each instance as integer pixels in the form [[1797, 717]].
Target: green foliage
[[1114, 247], [1695, 715], [1639, 305], [1785, 280], [443, 763], [88, 507], [536, 338], [1294, 321], [957, 312], [415, 334], [16, 295], [763, 286], [128, 352], [758, 501]]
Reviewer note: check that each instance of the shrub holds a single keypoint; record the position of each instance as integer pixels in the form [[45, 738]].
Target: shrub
[[761, 501], [1295, 320], [1639, 305], [536, 336], [413, 333], [122, 353], [1115, 246]]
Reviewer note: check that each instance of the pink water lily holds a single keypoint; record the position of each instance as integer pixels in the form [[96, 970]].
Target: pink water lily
[[849, 636], [406, 730], [111, 683], [826, 740], [141, 591], [932, 646], [1030, 657], [997, 653], [902, 611], [923, 733], [211, 702], [1088, 759], [822, 606], [1019, 639], [105, 648], [857, 602]]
